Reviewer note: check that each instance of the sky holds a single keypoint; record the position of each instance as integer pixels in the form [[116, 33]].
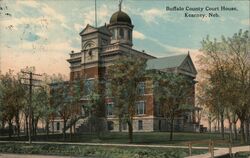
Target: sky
[[43, 33]]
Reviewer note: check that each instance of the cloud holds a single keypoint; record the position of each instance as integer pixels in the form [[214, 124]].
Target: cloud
[[52, 13], [78, 27], [89, 15], [245, 22], [171, 49], [30, 3], [151, 15], [138, 35]]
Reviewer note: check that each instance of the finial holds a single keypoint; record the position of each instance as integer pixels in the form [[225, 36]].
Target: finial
[[188, 52], [120, 5]]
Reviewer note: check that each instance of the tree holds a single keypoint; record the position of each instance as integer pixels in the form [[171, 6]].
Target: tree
[[11, 100], [172, 91], [61, 100], [124, 77], [47, 109], [228, 69]]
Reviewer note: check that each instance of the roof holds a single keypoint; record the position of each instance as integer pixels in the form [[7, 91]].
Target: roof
[[91, 29], [120, 16], [166, 62]]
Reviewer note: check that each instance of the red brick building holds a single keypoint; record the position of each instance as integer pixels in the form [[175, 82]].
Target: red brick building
[[101, 46]]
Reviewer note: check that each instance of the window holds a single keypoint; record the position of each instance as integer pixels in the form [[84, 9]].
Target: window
[[121, 33], [113, 34], [88, 86], [140, 125], [77, 75], [141, 88], [110, 108], [124, 125], [58, 126], [108, 89], [159, 125], [158, 109], [141, 108], [129, 35], [110, 125]]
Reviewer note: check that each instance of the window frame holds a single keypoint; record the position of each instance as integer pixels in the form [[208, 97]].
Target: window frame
[[138, 104], [108, 113], [142, 86], [140, 125]]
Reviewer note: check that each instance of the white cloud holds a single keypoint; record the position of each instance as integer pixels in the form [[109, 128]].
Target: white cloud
[[172, 49], [52, 13], [30, 3], [151, 15], [245, 22], [89, 15], [78, 27], [138, 35]]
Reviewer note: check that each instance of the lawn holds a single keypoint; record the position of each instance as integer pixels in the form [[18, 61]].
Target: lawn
[[95, 151], [157, 138], [139, 138]]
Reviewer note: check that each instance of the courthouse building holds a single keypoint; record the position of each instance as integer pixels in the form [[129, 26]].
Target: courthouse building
[[101, 47]]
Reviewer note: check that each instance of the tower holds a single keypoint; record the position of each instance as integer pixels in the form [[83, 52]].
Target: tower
[[120, 25]]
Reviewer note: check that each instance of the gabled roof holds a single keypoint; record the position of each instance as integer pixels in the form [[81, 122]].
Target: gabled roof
[[166, 62], [183, 62], [90, 29]]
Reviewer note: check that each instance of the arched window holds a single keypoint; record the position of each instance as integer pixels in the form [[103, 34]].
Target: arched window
[[121, 33]]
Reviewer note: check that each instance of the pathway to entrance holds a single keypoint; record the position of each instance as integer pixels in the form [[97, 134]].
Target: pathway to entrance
[[222, 151]]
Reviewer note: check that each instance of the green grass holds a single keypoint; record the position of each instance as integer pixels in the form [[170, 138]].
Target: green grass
[[242, 154], [95, 151], [139, 138]]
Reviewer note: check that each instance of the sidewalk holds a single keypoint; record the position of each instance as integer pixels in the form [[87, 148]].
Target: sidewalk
[[222, 151]]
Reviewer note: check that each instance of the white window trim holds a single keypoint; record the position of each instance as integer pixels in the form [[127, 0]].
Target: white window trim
[[144, 109], [144, 85], [107, 113]]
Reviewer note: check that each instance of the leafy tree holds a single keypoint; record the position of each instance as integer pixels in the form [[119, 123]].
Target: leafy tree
[[61, 100], [124, 77], [11, 100], [228, 69], [172, 91]]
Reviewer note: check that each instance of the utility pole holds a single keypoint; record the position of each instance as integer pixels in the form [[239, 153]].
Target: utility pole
[[30, 84]]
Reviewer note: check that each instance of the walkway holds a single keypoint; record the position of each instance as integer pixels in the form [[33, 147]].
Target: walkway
[[222, 151]]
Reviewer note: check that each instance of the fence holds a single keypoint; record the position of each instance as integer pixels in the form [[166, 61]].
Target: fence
[[211, 144]]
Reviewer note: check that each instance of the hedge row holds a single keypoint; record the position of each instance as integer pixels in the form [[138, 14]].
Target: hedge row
[[95, 151]]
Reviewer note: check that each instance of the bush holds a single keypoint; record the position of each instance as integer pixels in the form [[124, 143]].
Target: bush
[[95, 151]]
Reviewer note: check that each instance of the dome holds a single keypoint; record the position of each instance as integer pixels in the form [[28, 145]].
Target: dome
[[120, 16]]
